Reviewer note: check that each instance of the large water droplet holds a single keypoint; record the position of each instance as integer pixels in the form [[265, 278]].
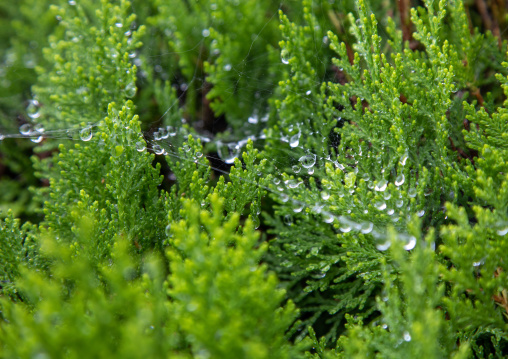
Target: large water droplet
[[384, 245], [171, 131], [366, 227], [130, 90], [228, 152], [140, 146], [412, 192], [502, 231], [381, 185], [380, 205], [325, 195], [284, 56], [32, 109], [86, 133], [400, 180], [407, 337], [328, 218], [25, 129], [410, 243], [163, 133], [294, 140], [308, 161], [292, 183], [158, 150]]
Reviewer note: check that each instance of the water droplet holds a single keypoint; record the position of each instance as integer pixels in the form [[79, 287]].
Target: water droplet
[[325, 195], [228, 152], [284, 56], [297, 207], [288, 220], [25, 129], [411, 243], [32, 109], [308, 161], [2, 136], [308, 92], [384, 245], [328, 217], [403, 159], [292, 183], [284, 197], [186, 148], [381, 185], [380, 205], [86, 133], [37, 139], [227, 67], [140, 146], [294, 140], [119, 24], [412, 192], [72, 2], [366, 227], [253, 119], [390, 211], [296, 168], [130, 90], [171, 131], [387, 195], [502, 231], [407, 337], [399, 203], [400, 180], [310, 171], [276, 180], [168, 230], [205, 33], [163, 133], [199, 154], [420, 213], [158, 150]]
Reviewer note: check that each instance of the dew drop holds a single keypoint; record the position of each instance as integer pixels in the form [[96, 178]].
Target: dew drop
[[328, 218], [308, 92], [403, 159], [298, 207], [411, 243], [390, 212], [158, 150], [228, 152], [296, 168], [86, 133], [366, 227], [380, 205], [383, 246], [32, 109], [140, 146], [253, 119], [227, 67], [276, 181], [25, 129], [292, 183], [407, 337], [420, 213], [198, 154], [171, 131], [400, 180], [119, 24], [130, 90], [325, 195], [37, 139], [186, 148], [168, 230], [502, 231], [72, 2], [294, 140], [381, 185], [284, 56], [163, 133], [308, 161], [288, 220], [412, 192], [399, 203], [205, 33]]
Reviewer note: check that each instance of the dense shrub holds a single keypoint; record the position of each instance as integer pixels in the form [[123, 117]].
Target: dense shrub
[[251, 179]]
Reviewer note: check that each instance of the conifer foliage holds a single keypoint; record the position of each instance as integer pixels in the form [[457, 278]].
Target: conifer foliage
[[250, 179]]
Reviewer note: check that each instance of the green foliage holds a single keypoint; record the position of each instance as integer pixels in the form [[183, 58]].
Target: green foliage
[[333, 185]]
